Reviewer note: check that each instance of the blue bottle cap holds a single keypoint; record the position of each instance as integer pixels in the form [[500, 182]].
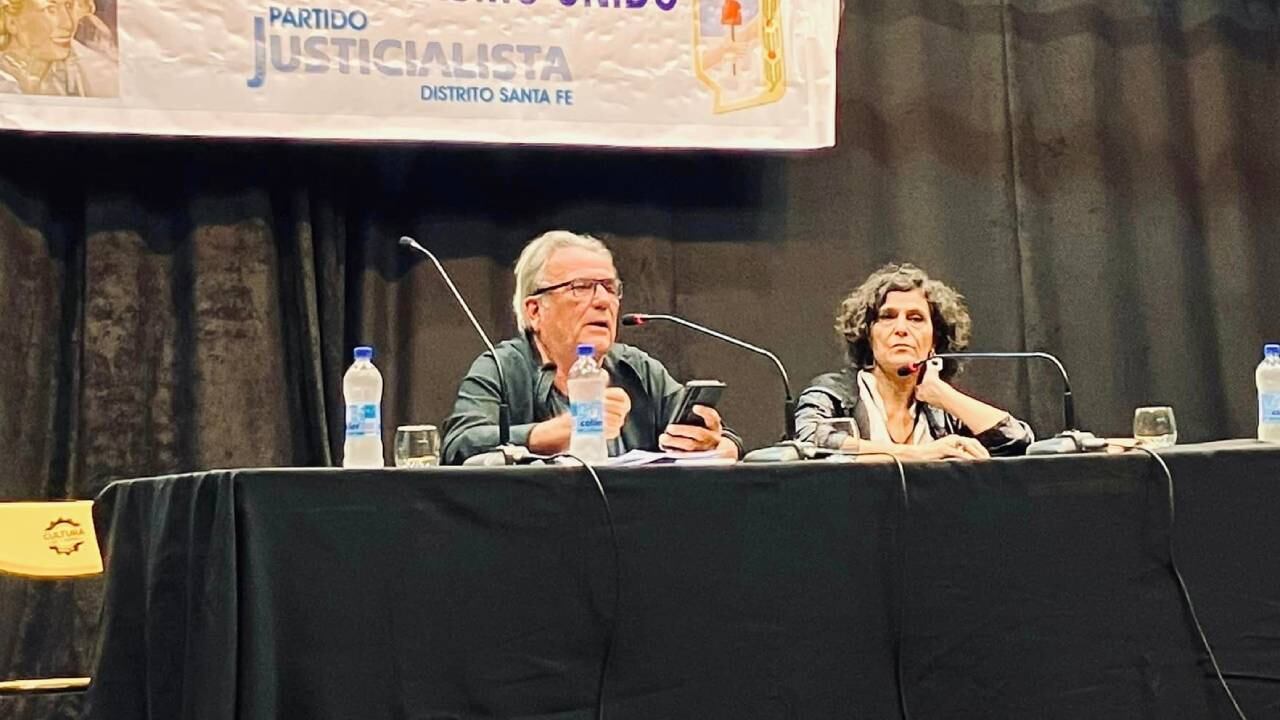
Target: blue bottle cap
[[1271, 350], [585, 350], [364, 352]]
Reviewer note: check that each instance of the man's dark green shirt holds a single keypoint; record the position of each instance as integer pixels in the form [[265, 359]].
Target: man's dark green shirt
[[472, 428]]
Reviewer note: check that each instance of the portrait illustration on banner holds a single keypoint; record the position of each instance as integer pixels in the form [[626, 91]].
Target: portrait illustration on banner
[[738, 52], [59, 47]]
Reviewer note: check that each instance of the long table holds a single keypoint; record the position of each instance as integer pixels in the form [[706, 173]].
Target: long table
[[1023, 588]]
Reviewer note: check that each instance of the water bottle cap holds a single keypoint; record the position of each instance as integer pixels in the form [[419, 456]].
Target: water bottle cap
[[1271, 350], [364, 352], [585, 350]]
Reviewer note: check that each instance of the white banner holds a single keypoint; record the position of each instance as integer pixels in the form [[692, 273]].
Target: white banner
[[756, 74]]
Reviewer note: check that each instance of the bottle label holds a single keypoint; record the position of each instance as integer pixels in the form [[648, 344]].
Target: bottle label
[[588, 418], [364, 420], [1268, 408]]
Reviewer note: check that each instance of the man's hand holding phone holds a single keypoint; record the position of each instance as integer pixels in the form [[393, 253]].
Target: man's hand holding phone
[[694, 437], [695, 425]]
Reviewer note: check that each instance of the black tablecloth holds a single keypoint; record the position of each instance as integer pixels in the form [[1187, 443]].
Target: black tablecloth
[[1034, 588], [44, 706]]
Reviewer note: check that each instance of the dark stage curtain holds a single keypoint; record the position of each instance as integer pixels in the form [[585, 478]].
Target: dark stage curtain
[[1100, 180]]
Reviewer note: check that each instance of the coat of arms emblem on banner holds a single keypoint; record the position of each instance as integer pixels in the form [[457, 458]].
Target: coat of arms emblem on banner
[[738, 52]]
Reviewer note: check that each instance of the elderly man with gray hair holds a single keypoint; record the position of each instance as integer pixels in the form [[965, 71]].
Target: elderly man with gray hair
[[568, 293]]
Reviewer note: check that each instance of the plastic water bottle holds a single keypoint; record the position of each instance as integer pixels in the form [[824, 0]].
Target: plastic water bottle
[[1268, 379], [362, 390], [587, 383]]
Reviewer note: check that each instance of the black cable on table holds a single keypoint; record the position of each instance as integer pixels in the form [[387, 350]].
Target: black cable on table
[[1182, 585], [612, 627], [899, 641]]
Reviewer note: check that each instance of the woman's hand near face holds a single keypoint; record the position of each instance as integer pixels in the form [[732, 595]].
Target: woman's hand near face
[[932, 389], [975, 414]]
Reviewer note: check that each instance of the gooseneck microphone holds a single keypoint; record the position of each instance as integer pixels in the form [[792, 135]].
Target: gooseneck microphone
[[789, 407], [1068, 402], [510, 453], [1070, 440]]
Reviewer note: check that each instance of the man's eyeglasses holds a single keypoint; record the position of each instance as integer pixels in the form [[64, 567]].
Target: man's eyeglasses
[[583, 289]]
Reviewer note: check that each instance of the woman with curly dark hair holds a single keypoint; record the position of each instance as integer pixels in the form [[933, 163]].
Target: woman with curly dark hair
[[897, 317]]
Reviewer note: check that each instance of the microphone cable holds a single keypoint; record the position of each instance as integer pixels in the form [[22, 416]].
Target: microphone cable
[[1182, 585], [611, 628], [904, 497]]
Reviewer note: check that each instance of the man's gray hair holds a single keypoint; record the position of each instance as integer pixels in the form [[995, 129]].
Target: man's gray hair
[[533, 259]]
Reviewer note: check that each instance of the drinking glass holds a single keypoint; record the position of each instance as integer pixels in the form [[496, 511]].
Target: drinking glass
[[417, 446], [1155, 427]]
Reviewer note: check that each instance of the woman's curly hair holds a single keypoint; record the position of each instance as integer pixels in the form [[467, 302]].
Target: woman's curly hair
[[858, 311]]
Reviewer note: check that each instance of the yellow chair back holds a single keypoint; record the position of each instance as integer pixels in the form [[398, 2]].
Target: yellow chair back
[[49, 539]]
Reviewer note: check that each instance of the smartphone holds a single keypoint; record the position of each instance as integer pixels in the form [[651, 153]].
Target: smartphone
[[696, 392]]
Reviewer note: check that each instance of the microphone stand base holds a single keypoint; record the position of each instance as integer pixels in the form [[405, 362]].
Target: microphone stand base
[[1068, 442], [504, 455], [785, 451]]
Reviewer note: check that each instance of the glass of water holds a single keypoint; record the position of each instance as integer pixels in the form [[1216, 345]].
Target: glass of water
[[417, 446], [1155, 427]]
